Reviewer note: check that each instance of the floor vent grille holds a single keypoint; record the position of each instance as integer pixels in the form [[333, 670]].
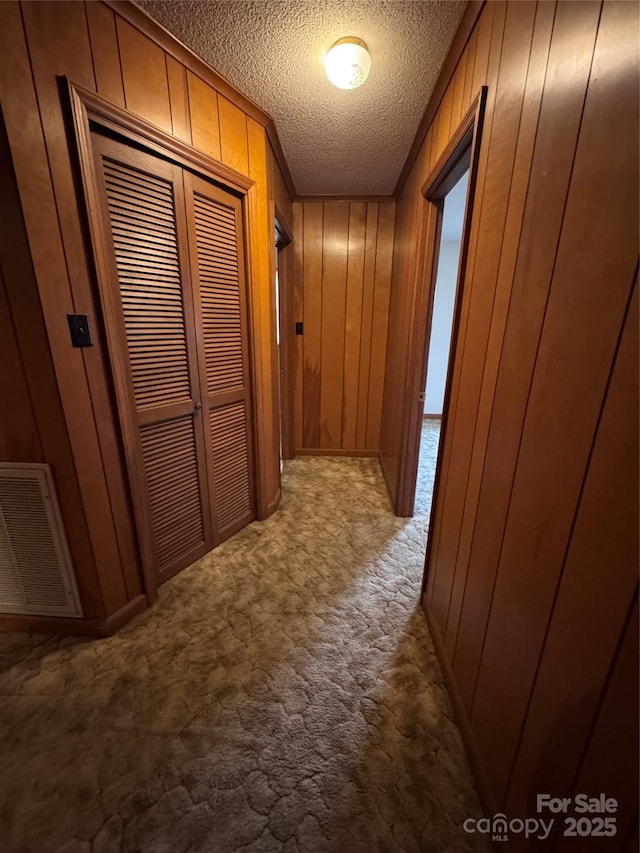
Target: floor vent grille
[[36, 576]]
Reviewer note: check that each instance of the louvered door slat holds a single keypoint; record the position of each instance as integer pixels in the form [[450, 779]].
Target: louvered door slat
[[219, 276], [144, 199], [166, 378], [231, 464], [217, 265], [174, 489]]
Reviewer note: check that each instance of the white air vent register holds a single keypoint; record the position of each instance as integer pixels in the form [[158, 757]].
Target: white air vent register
[[36, 575]]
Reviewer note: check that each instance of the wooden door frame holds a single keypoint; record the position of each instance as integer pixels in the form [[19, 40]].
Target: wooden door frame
[[89, 111], [284, 253], [461, 153]]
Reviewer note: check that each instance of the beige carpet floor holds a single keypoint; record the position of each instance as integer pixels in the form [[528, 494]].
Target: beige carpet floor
[[282, 695]]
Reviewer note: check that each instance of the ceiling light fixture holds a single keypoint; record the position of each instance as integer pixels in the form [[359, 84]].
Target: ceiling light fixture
[[348, 63]]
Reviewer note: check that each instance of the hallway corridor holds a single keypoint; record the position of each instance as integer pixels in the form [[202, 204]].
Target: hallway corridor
[[282, 695]]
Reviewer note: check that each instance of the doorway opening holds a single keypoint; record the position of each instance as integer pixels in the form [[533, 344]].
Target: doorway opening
[[445, 234], [439, 343], [284, 335]]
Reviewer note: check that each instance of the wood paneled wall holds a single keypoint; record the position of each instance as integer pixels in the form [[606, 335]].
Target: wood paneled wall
[[532, 576], [343, 253], [32, 425], [114, 50]]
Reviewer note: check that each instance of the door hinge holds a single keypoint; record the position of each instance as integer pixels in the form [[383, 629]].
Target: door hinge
[[421, 396]]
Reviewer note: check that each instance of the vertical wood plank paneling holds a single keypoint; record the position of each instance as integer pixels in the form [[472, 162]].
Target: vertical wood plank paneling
[[345, 258], [335, 242], [424, 159], [379, 323], [569, 64], [144, 74], [508, 249], [444, 122], [368, 295], [590, 610], [312, 272], [233, 136], [279, 193], [203, 110], [104, 49], [396, 369], [178, 99], [36, 354], [298, 317], [19, 437], [434, 132], [29, 155], [483, 47], [353, 321], [58, 40], [611, 761], [533, 451], [450, 488], [470, 53], [457, 85], [553, 449]]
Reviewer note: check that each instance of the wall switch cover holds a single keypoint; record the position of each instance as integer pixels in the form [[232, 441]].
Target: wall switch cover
[[79, 328]]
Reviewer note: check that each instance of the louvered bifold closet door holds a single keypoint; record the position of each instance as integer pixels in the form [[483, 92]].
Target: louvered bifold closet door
[[217, 265], [144, 199]]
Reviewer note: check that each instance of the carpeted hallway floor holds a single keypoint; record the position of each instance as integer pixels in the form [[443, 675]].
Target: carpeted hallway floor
[[283, 695]]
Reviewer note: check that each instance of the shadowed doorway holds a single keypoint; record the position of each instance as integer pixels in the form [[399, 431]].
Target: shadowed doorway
[[439, 345]]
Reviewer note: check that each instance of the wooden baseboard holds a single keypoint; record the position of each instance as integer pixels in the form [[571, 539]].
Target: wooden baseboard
[[323, 451], [487, 799], [74, 627], [432, 417], [380, 199]]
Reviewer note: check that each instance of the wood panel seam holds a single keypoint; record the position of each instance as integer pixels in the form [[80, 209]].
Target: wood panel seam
[[493, 304], [91, 544], [614, 659], [572, 528], [146, 26], [93, 64], [462, 332], [544, 314], [506, 323]]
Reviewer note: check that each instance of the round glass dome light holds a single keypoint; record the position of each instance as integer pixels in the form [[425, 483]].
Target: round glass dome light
[[348, 63]]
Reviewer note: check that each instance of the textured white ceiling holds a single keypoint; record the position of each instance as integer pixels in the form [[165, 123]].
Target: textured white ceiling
[[335, 141]]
